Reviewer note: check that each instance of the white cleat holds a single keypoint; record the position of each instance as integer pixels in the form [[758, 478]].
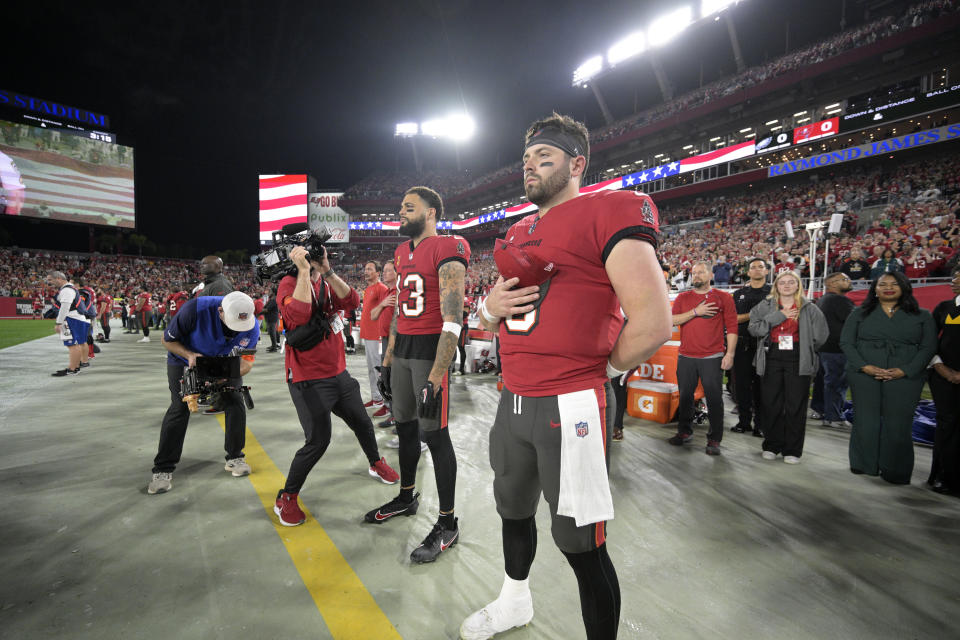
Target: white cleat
[[144, 339], [497, 617]]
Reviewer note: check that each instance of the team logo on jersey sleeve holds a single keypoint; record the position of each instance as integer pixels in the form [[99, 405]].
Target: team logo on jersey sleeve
[[582, 429], [646, 212], [460, 249]]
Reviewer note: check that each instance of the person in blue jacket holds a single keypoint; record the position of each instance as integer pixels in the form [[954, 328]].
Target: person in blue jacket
[[205, 326]]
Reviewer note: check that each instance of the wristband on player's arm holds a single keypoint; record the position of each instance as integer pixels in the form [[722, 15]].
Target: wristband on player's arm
[[452, 327], [613, 372], [492, 319]]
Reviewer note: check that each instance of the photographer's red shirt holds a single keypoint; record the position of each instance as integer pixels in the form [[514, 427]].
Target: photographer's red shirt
[[326, 359]]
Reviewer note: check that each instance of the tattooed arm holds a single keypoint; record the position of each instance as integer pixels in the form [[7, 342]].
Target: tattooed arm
[[388, 354], [452, 276]]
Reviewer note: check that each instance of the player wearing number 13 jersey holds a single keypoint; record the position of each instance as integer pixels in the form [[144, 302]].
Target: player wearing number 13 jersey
[[565, 273], [423, 341]]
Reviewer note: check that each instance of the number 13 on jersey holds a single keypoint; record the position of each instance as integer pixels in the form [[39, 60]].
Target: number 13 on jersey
[[413, 306]]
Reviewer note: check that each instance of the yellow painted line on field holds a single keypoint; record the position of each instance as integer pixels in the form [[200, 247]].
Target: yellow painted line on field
[[344, 602]]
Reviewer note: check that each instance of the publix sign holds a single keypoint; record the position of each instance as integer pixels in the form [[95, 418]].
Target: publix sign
[[324, 210]]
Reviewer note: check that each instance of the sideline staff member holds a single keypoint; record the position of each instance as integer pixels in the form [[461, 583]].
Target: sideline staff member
[[72, 325], [208, 326]]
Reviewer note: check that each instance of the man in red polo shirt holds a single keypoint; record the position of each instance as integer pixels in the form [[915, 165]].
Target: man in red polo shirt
[[704, 315], [316, 374], [373, 297], [383, 314]]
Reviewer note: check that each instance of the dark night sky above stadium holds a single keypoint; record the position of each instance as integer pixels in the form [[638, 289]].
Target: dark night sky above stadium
[[211, 94]]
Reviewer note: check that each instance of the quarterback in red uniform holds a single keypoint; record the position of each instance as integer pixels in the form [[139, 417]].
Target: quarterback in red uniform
[[565, 273], [423, 341]]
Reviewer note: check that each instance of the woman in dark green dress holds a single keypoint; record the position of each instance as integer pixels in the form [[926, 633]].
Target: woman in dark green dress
[[888, 341]]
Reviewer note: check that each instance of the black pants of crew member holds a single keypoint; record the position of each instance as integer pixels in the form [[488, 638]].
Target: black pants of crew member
[[315, 400], [946, 439], [785, 396], [174, 428], [709, 373], [384, 342], [105, 323], [272, 331], [620, 394], [462, 347], [747, 384]]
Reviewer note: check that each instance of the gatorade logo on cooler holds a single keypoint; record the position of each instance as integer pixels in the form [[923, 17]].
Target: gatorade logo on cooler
[[646, 404]]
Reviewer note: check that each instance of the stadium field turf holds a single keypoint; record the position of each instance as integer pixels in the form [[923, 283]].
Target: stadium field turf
[[18, 330]]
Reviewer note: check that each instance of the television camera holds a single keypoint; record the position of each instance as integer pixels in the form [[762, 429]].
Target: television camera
[[275, 263], [213, 375]]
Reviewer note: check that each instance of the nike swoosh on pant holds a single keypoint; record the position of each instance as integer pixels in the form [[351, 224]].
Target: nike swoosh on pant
[[554, 425]]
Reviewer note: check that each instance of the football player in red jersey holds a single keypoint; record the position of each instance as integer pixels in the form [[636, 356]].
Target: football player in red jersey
[[562, 337], [423, 340], [143, 308]]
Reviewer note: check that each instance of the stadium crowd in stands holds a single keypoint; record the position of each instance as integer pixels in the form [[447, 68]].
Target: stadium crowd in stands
[[853, 38], [385, 186], [918, 221]]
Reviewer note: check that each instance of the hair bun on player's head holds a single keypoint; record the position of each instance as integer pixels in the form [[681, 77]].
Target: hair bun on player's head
[[515, 262]]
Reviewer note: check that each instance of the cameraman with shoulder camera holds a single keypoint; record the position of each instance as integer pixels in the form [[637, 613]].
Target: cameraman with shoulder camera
[[208, 326], [315, 370]]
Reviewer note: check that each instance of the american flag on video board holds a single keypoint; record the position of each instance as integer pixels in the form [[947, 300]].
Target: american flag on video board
[[283, 200]]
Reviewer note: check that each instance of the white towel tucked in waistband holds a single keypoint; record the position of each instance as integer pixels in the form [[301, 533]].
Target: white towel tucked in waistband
[[584, 487]]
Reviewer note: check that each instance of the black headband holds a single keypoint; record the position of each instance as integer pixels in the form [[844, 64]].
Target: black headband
[[556, 138]]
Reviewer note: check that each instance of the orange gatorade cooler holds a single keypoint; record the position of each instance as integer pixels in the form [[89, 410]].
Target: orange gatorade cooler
[[656, 401]]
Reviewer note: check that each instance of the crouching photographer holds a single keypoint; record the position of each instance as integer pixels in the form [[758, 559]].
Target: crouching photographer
[[315, 370], [211, 326]]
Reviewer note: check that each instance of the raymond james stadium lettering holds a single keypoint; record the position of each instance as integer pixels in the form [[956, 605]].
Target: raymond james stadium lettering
[[909, 141], [53, 109]]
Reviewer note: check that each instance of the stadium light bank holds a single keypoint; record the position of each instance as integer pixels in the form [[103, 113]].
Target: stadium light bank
[[457, 127], [661, 30]]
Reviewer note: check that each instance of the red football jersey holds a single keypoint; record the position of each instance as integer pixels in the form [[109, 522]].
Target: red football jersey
[[175, 301], [146, 300], [418, 285], [563, 345]]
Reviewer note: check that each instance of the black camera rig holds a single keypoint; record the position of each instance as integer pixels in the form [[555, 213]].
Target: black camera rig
[[275, 263], [213, 375]]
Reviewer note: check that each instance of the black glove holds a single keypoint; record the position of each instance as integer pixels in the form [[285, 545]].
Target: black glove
[[428, 401], [383, 383]]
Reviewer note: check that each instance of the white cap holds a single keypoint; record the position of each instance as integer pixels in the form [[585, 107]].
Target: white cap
[[238, 311]]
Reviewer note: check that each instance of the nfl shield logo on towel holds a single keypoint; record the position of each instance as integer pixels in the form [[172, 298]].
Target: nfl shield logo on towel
[[582, 429]]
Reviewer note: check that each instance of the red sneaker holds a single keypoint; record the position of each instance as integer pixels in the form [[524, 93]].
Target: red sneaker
[[382, 411], [288, 510], [382, 470], [372, 403]]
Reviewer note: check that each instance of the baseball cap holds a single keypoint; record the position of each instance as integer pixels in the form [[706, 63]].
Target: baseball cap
[[514, 261], [238, 311]]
